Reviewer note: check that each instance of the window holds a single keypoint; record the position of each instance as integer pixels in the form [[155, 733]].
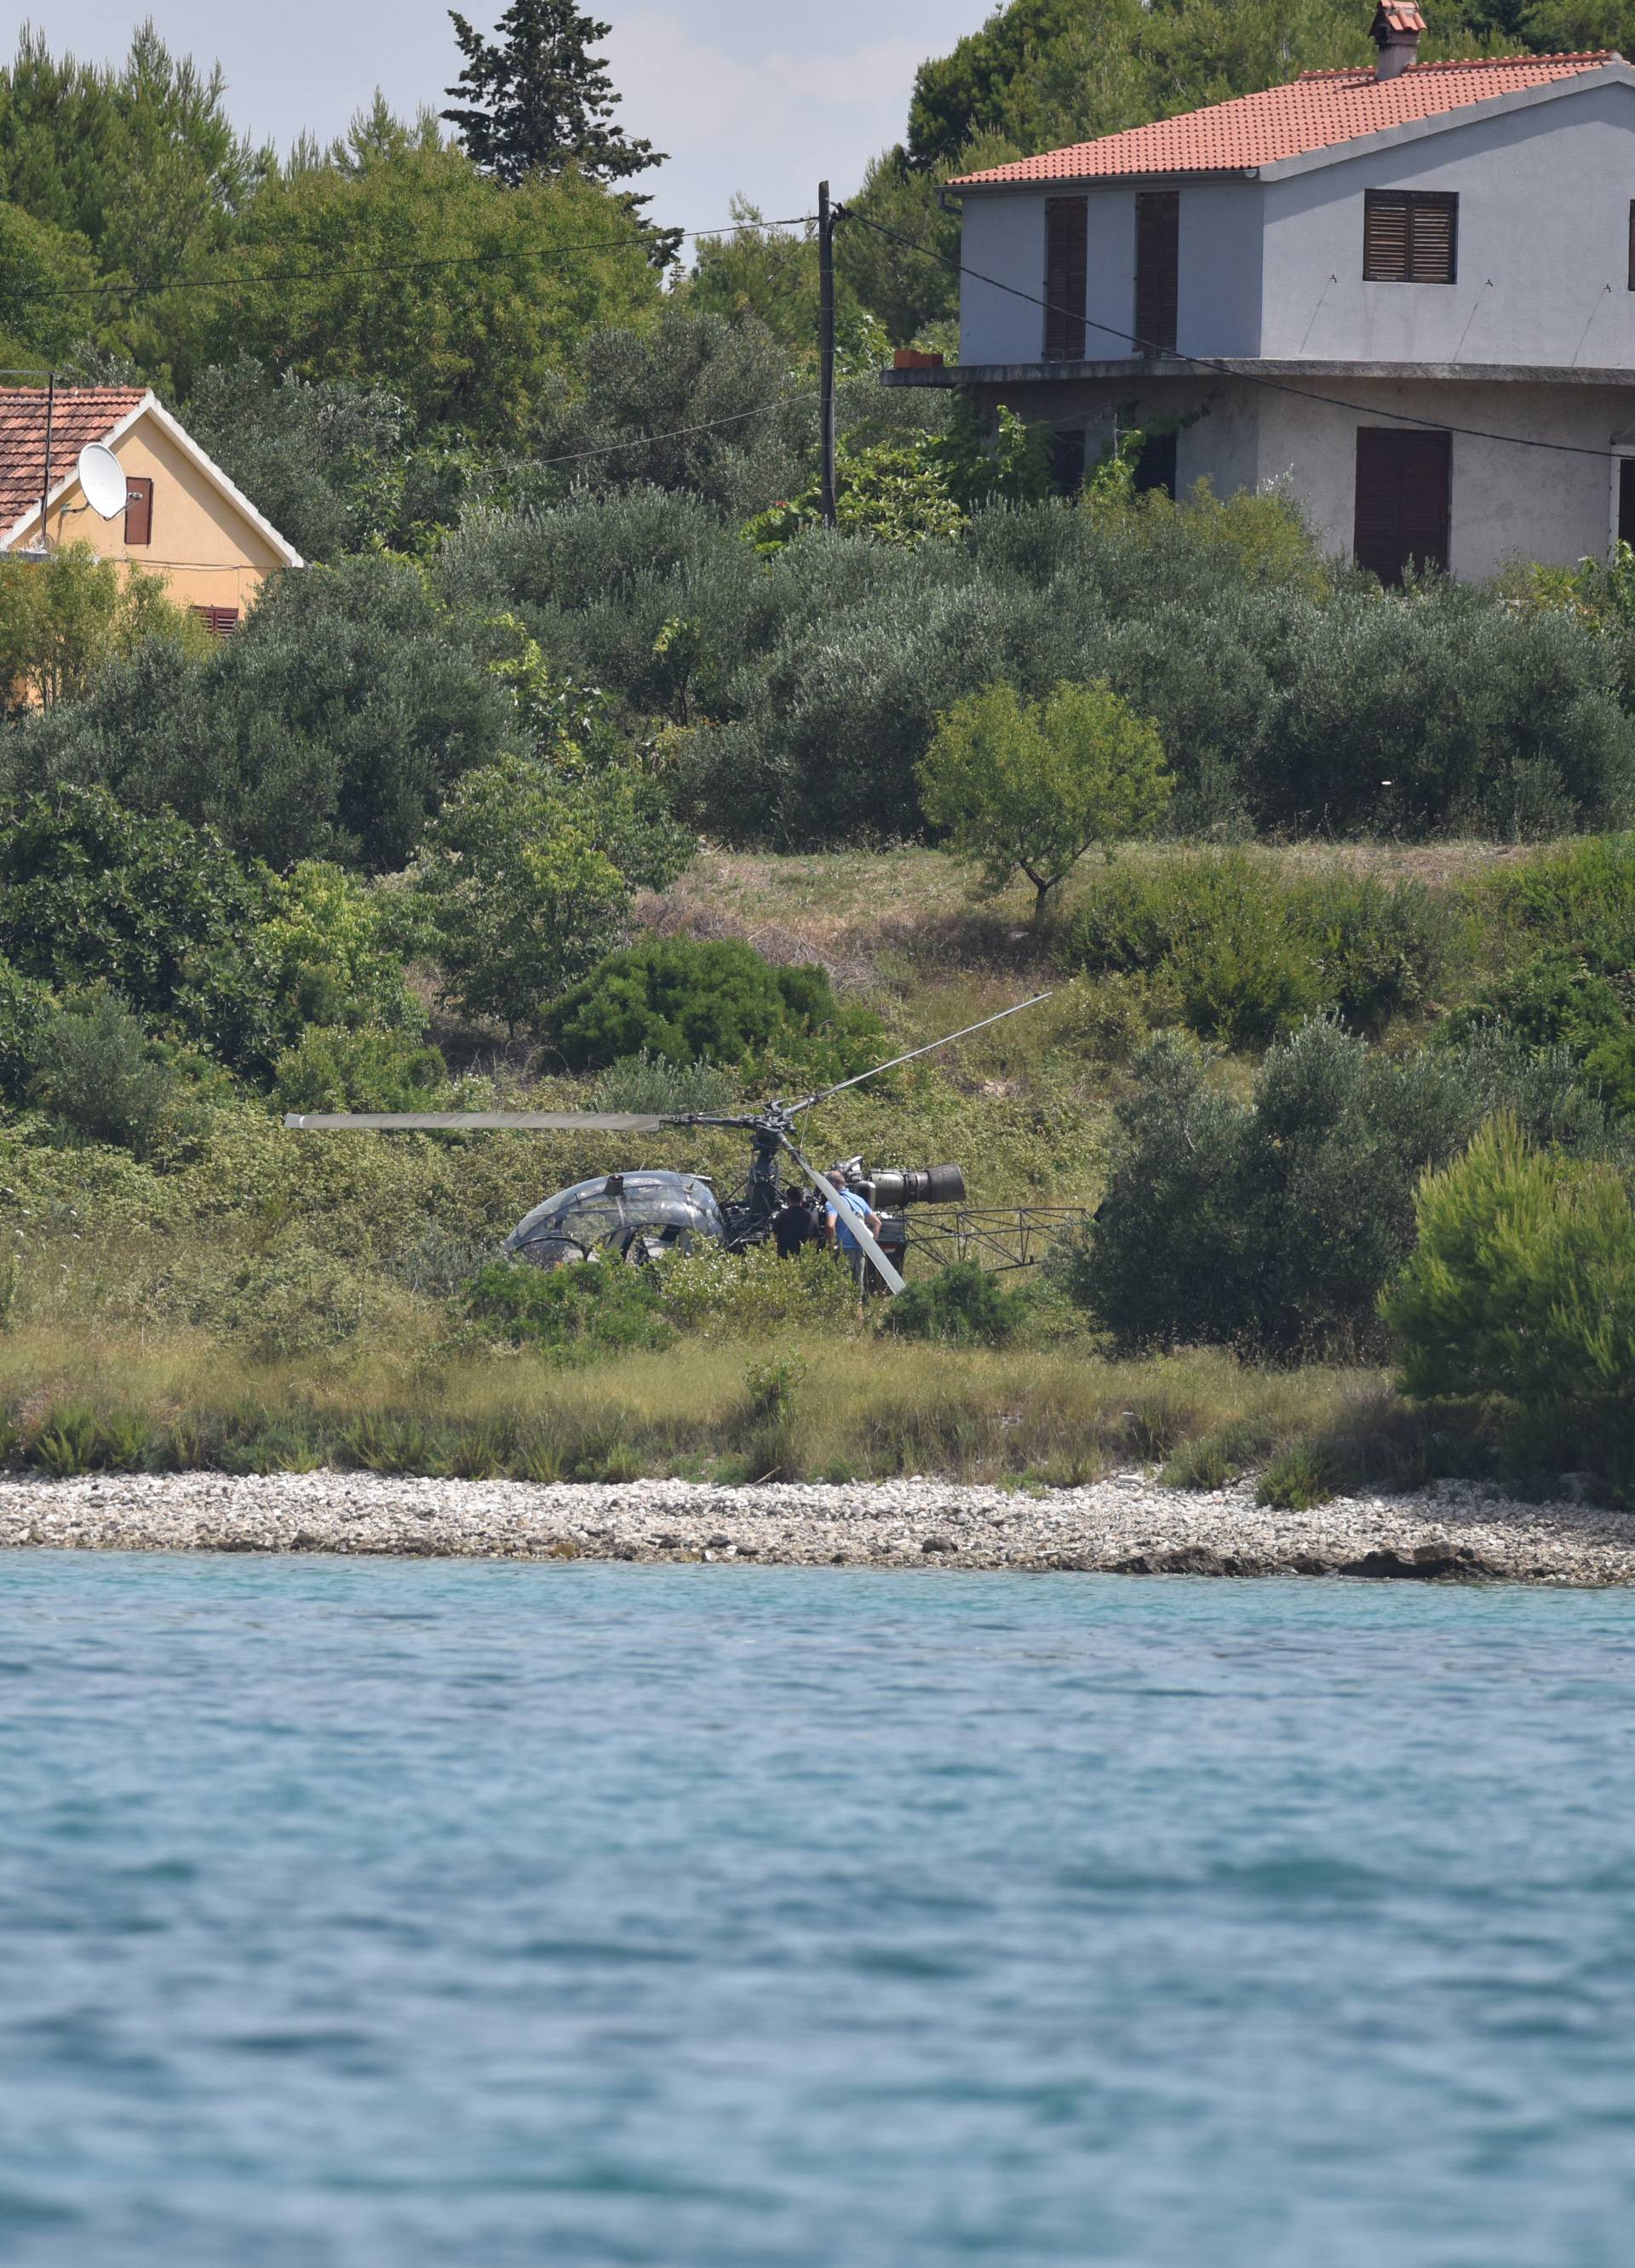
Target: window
[[138, 511], [1157, 270], [1066, 255], [1067, 462], [1410, 236], [1156, 465], [221, 622], [1626, 500], [1404, 489]]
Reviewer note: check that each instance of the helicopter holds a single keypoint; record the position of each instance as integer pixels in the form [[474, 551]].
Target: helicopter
[[641, 1214]]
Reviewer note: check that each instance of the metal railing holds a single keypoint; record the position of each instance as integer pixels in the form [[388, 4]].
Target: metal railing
[[998, 1238]]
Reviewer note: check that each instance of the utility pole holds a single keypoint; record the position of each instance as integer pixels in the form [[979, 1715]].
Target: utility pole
[[44, 482], [826, 348]]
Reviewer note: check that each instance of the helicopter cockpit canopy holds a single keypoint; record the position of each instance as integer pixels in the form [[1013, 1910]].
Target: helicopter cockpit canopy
[[636, 1216]]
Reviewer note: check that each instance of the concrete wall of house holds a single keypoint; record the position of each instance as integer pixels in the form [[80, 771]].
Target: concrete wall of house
[[1222, 446], [1544, 245], [1220, 296], [1002, 236], [210, 554], [1506, 502]]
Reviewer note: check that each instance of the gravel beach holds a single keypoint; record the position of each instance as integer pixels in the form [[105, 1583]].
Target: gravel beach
[[1126, 1525]]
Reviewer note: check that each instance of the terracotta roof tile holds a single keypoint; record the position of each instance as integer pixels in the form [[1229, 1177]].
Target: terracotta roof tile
[[79, 414], [1317, 111]]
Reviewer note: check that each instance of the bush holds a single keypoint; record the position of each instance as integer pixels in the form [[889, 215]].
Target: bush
[[331, 726], [91, 893], [591, 1307], [1247, 955], [526, 874], [335, 1069], [332, 940], [26, 1008], [651, 1082], [1522, 1286], [962, 1305], [97, 1074], [1028, 787], [721, 1003], [1273, 1225]]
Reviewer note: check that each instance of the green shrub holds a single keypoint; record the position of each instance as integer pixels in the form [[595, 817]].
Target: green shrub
[[962, 1304], [100, 1076], [93, 893], [1247, 954], [652, 1082], [1522, 1286], [593, 1306], [66, 1443], [1577, 896], [1299, 1477], [717, 1002], [1274, 1224], [1212, 1460], [28, 1008], [1027, 787], [336, 1069], [398, 1444], [332, 939]]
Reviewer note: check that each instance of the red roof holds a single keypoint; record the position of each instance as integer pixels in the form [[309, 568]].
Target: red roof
[[79, 414], [1320, 110]]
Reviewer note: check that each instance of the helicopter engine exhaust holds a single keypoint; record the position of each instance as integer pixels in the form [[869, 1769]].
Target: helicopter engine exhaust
[[889, 1190]]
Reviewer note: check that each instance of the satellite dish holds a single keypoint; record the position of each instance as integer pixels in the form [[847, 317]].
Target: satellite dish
[[102, 480]]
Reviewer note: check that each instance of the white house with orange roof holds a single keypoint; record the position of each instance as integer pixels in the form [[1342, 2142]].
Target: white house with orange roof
[[181, 518], [1390, 287]]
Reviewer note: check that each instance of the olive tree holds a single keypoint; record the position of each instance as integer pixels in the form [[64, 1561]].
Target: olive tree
[[1029, 786]]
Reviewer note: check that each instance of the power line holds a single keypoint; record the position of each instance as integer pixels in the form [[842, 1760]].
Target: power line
[[1225, 368], [492, 258], [677, 433]]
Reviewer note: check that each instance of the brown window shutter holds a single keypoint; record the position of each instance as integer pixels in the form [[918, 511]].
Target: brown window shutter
[[1066, 253], [138, 511], [1404, 491], [221, 622], [1157, 270], [1410, 236], [1385, 236], [1433, 239]]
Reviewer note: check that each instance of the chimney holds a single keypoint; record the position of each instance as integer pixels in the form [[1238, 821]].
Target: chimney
[[1397, 31]]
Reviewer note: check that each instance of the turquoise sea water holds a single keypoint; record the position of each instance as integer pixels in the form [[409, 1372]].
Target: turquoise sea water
[[386, 1914]]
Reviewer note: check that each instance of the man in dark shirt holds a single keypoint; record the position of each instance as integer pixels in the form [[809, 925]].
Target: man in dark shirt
[[792, 1225]]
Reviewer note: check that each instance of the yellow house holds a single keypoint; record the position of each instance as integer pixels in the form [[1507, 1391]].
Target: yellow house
[[182, 517]]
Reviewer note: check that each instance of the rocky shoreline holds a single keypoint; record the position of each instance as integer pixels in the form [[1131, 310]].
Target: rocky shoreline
[[1126, 1525]]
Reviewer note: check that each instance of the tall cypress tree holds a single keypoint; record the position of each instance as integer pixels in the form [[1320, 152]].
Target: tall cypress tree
[[536, 99]]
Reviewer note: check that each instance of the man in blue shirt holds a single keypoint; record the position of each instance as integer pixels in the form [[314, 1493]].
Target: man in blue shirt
[[837, 1224]]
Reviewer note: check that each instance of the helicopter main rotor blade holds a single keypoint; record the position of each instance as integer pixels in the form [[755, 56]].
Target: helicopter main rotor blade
[[860, 1229], [914, 1053], [474, 1122]]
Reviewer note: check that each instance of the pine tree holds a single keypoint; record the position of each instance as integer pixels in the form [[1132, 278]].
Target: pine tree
[[537, 99]]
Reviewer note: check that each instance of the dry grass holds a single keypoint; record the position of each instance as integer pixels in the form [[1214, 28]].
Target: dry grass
[[854, 1409], [886, 921]]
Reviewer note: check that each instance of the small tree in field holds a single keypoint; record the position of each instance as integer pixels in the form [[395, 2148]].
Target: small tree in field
[[1029, 786], [525, 878]]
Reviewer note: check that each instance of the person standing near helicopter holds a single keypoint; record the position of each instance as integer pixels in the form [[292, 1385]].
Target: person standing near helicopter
[[848, 1206]]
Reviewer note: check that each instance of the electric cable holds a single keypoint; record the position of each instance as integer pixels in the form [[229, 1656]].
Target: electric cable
[[677, 432], [1225, 368]]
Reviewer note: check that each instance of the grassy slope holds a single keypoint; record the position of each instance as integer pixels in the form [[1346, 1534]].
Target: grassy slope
[[291, 1293]]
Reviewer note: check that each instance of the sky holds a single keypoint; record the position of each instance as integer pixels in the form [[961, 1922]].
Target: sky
[[760, 97]]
